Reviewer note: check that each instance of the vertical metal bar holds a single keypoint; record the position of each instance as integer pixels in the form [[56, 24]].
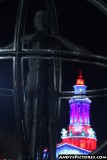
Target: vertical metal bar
[[52, 11], [60, 75], [22, 74], [14, 80], [19, 26], [58, 90], [59, 109], [18, 97], [55, 85]]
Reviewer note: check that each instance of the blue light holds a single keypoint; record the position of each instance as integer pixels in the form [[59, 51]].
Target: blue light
[[80, 89]]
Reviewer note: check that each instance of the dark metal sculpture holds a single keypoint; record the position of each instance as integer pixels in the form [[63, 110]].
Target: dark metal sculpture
[[41, 92], [41, 121]]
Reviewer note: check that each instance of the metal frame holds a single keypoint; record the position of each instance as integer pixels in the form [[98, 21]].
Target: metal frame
[[4, 91], [18, 53]]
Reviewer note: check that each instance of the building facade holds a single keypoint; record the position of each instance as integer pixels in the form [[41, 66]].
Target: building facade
[[79, 133]]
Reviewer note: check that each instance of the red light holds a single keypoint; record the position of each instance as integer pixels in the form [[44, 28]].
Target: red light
[[80, 80], [82, 145]]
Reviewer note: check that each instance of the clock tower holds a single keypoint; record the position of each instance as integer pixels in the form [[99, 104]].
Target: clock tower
[[80, 133]]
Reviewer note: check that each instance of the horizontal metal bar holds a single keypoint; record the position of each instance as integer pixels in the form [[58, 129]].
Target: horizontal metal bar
[[88, 91], [90, 96], [7, 95], [6, 89], [97, 63], [6, 92], [8, 57], [53, 52]]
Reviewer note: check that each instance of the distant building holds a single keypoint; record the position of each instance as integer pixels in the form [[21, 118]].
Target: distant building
[[66, 148], [80, 138], [79, 135]]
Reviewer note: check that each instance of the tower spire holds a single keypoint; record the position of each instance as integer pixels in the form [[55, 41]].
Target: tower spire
[[80, 87], [80, 80], [80, 133]]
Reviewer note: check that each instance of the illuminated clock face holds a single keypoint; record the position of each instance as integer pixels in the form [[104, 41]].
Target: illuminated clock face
[[77, 127]]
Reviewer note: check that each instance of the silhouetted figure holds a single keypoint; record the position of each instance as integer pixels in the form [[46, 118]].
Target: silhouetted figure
[[40, 98]]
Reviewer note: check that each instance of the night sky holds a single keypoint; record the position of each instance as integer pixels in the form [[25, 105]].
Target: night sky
[[81, 23]]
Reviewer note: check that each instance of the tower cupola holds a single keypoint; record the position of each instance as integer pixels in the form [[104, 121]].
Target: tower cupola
[[80, 87]]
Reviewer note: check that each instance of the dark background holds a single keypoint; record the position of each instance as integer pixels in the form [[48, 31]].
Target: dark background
[[81, 23]]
